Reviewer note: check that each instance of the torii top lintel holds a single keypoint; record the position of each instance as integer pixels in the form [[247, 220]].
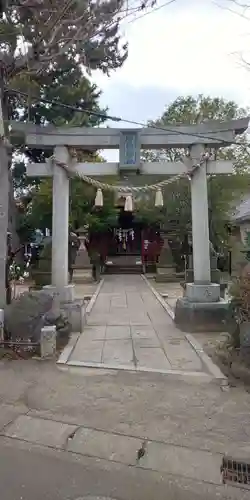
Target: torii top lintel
[[214, 133]]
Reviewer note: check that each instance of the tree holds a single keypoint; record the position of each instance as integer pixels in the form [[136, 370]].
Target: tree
[[71, 87], [224, 190], [51, 30], [238, 7], [38, 213], [47, 50]]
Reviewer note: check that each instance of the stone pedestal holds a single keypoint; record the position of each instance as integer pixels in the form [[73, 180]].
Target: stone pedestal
[[65, 294], [165, 268], [74, 308], [203, 293], [166, 274], [48, 341], [76, 313], [81, 276], [82, 259], [201, 309]]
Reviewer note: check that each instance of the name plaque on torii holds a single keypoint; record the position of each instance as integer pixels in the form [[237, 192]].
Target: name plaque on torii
[[129, 150]]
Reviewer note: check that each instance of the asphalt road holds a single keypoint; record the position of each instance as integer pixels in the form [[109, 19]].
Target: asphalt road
[[28, 473]]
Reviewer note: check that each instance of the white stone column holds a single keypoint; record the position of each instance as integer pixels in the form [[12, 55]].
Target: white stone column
[[60, 228], [200, 224], [4, 206], [202, 290]]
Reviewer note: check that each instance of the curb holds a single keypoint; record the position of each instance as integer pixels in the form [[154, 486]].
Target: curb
[[67, 351], [212, 368], [173, 374], [163, 303], [94, 297]]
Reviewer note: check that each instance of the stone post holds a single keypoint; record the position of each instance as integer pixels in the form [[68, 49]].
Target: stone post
[[201, 290], [200, 225], [60, 221], [60, 229], [48, 341], [201, 308], [4, 205], [1, 325]]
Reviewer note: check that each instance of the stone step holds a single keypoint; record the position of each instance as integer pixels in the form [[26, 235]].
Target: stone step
[[115, 269], [82, 276], [124, 264]]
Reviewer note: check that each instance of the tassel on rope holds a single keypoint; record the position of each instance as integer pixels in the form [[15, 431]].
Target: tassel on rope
[[128, 207], [159, 198], [99, 198]]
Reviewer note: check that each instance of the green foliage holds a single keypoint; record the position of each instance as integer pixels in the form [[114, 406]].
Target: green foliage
[[224, 191], [240, 297], [41, 274], [63, 78], [49, 30], [82, 210], [24, 227], [190, 110], [239, 308]]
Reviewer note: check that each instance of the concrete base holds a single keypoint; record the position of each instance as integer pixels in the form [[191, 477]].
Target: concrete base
[[165, 274], [200, 316], [76, 313], [67, 294], [74, 309], [166, 278], [202, 293], [81, 276]]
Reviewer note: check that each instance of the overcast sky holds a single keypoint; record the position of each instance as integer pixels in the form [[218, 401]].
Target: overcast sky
[[191, 46]]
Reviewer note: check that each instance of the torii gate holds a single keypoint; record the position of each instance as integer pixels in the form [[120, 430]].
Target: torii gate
[[196, 138]]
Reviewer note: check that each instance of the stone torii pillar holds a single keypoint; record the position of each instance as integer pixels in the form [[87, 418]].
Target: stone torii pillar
[[200, 223], [60, 228], [201, 308]]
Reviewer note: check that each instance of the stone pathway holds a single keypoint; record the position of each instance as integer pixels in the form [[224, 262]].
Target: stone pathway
[[129, 329]]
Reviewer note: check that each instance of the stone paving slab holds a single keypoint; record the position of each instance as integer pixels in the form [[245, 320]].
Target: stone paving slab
[[145, 342], [118, 351], [43, 432], [118, 332], [159, 456], [121, 448], [105, 445], [182, 358], [153, 357], [8, 413], [128, 327], [95, 332], [183, 461], [90, 354], [144, 332]]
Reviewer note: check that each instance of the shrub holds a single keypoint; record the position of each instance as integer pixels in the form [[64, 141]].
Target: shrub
[[41, 273], [28, 313], [239, 307]]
